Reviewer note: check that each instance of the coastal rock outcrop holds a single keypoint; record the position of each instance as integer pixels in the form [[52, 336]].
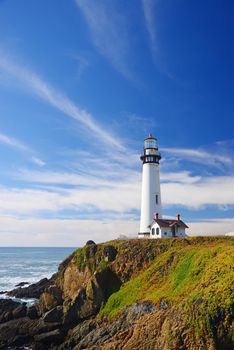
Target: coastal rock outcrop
[[32, 291], [10, 309], [50, 298], [175, 294]]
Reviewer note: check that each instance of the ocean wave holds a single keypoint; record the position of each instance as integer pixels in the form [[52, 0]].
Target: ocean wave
[[28, 264], [28, 302]]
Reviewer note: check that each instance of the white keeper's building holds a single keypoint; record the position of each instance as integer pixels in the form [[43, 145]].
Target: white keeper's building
[[153, 225]]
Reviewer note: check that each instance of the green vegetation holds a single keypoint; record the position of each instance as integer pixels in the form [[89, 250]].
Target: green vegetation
[[103, 265], [197, 278], [193, 275], [80, 256], [91, 257]]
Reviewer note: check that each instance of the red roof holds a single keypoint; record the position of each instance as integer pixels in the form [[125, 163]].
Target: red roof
[[170, 223]]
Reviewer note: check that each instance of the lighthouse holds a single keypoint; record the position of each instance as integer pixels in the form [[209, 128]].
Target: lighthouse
[[151, 194], [153, 225]]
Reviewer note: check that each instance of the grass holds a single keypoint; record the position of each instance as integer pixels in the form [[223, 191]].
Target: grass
[[194, 277]]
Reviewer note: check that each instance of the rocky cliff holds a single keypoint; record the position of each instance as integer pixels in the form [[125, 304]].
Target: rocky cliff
[[136, 294]]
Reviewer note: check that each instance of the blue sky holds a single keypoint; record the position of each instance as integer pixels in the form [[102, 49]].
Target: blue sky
[[81, 85]]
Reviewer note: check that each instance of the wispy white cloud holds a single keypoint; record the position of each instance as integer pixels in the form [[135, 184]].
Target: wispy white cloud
[[38, 161], [150, 11], [184, 177], [149, 15], [82, 64], [12, 142], [55, 98], [64, 178], [109, 31], [20, 146], [200, 155]]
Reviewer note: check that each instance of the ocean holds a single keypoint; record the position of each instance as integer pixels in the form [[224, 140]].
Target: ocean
[[28, 265]]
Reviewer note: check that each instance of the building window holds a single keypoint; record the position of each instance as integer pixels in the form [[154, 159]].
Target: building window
[[165, 233], [157, 231], [153, 231], [156, 198]]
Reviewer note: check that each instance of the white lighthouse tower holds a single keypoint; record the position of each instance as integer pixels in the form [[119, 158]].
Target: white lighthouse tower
[[151, 194], [152, 224]]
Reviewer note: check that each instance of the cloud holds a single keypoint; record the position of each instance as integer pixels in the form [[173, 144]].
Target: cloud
[[27, 202], [99, 173], [82, 64], [59, 232], [20, 146], [149, 11], [75, 233], [212, 227], [108, 29], [38, 161], [12, 142], [53, 193], [213, 190], [110, 193], [200, 155], [184, 177], [55, 98]]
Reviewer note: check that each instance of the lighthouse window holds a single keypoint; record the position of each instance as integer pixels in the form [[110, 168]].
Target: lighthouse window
[[153, 231], [157, 231], [150, 144], [156, 198]]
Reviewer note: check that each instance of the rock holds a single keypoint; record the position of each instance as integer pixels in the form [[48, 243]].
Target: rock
[[32, 291], [51, 298], [78, 333], [94, 338], [108, 282], [32, 312], [72, 314], [54, 315], [91, 250], [73, 279], [17, 332], [135, 311], [90, 242], [110, 252], [90, 299], [21, 284], [82, 330], [86, 304], [69, 305], [52, 337], [19, 311], [10, 309], [163, 305]]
